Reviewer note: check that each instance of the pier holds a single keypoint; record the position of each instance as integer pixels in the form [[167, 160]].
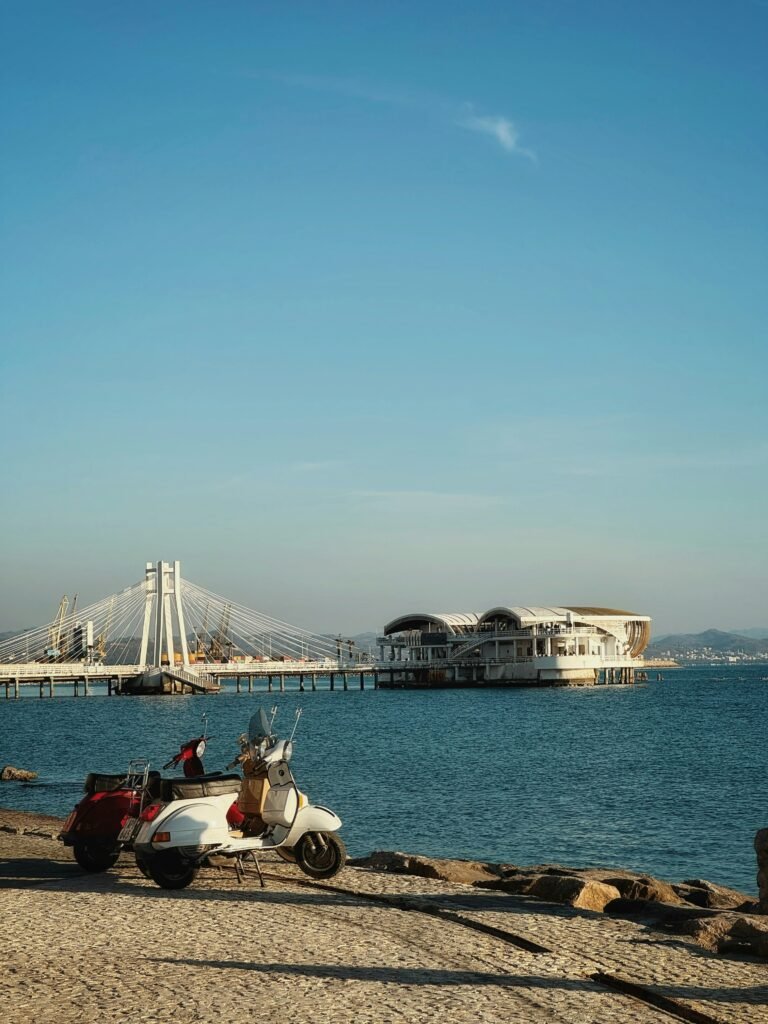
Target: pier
[[166, 635], [77, 681]]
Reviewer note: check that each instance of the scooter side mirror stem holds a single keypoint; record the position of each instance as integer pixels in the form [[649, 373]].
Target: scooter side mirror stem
[[299, 712]]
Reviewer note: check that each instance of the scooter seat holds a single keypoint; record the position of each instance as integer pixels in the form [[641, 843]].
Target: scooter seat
[[97, 782], [204, 785]]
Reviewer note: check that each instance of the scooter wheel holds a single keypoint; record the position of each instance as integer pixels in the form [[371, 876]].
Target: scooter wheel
[[320, 854], [96, 856], [169, 870], [287, 853], [141, 864]]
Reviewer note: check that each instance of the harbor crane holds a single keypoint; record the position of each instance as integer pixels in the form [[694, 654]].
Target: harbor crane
[[53, 650]]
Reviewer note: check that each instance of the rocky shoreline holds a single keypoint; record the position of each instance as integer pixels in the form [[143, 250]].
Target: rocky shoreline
[[713, 916]]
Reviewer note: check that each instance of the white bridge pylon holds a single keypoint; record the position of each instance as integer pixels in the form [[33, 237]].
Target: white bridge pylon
[[163, 583], [165, 621]]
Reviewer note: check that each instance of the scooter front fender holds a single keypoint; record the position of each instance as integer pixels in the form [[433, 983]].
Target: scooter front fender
[[311, 819]]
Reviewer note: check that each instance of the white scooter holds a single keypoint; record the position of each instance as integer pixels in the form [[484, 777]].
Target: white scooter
[[189, 825]]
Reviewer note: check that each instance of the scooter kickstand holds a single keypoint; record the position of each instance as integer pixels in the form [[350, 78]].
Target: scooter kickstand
[[255, 860], [239, 871]]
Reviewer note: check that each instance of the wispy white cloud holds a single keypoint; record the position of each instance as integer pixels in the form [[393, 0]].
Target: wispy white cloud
[[464, 115], [318, 466], [348, 87], [497, 127], [441, 499]]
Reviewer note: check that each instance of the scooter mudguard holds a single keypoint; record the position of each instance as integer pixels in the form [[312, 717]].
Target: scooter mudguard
[[190, 823], [311, 819], [98, 816]]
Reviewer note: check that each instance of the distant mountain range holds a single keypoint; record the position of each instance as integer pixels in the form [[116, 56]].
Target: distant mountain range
[[716, 640], [760, 633]]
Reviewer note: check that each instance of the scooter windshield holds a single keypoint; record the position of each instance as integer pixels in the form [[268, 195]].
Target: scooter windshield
[[259, 732]]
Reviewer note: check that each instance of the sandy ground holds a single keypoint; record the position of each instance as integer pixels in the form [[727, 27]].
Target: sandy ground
[[114, 947]]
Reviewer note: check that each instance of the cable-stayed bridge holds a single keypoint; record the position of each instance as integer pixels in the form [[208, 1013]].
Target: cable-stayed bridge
[[167, 634]]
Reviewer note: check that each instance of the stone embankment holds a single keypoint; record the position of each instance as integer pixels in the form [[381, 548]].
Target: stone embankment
[[372, 945], [713, 916]]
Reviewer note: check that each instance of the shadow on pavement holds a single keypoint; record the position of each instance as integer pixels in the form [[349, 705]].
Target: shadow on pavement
[[390, 975]]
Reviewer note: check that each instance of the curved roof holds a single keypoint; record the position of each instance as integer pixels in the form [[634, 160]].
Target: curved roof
[[524, 615], [448, 622], [608, 613]]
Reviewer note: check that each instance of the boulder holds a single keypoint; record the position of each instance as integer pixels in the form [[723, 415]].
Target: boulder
[[709, 932], [761, 849], [11, 774], [570, 889], [749, 934], [515, 884], [706, 894], [584, 893], [463, 871], [641, 887], [726, 932]]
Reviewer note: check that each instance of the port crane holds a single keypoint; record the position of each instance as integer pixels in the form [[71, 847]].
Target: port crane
[[53, 650]]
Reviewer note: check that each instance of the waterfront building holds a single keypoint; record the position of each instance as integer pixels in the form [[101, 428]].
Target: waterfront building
[[513, 646]]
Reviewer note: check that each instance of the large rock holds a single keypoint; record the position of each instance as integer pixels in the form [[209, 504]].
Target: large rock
[[11, 774], [569, 889], [725, 932], [706, 894], [642, 888], [747, 934], [584, 893], [761, 849], [462, 871]]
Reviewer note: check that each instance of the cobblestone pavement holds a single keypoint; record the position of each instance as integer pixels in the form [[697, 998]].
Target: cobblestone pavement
[[114, 947]]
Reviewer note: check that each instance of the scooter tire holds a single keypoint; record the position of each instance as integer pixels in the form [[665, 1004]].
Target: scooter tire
[[169, 870], [96, 855], [287, 853], [320, 854], [141, 864]]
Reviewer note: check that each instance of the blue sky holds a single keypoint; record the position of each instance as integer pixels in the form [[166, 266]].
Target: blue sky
[[357, 309]]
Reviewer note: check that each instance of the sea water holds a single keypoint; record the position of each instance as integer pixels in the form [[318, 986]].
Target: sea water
[[669, 778]]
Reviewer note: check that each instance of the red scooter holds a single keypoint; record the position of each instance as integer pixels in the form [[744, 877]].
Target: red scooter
[[95, 828]]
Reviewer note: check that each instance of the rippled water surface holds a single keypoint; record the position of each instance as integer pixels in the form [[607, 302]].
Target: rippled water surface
[[668, 777]]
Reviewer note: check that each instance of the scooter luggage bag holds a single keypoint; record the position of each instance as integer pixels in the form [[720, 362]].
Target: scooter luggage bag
[[253, 793]]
